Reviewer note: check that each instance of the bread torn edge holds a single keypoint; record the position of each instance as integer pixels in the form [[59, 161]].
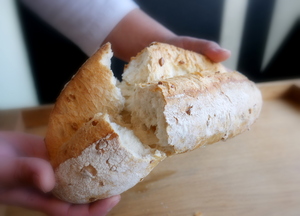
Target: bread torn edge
[[149, 148]]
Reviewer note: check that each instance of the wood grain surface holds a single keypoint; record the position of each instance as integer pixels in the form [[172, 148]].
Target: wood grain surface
[[256, 173]]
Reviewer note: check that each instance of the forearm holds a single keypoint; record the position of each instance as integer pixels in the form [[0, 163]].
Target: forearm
[[134, 32], [86, 23], [92, 23]]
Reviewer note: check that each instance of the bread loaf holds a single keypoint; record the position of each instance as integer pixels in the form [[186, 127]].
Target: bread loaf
[[183, 100], [104, 136]]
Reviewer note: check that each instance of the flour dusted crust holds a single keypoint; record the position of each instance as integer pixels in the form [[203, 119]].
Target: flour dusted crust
[[211, 109], [104, 136], [180, 100], [94, 157], [106, 167]]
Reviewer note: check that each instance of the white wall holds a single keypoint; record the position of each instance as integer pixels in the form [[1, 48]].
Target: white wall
[[16, 83], [234, 13], [285, 14]]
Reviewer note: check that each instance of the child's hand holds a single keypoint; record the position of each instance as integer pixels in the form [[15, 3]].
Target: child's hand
[[26, 176]]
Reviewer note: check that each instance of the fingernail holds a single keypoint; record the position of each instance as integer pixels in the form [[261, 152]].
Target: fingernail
[[226, 50]]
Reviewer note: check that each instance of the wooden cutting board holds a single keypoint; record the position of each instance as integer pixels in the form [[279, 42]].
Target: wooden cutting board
[[256, 173]]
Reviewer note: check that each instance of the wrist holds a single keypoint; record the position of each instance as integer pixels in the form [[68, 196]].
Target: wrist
[[134, 32]]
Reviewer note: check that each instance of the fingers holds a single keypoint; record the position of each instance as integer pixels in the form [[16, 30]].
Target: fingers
[[102, 207], [99, 208], [208, 48], [25, 144], [20, 171], [25, 197], [212, 50], [32, 199]]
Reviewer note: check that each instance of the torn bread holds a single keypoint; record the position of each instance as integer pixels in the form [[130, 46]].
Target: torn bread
[[180, 100], [114, 161], [105, 136], [180, 119], [94, 157]]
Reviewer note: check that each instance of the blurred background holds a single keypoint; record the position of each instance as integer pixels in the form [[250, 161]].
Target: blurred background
[[263, 36]]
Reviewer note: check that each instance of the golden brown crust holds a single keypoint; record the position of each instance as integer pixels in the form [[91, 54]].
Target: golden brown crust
[[92, 156], [89, 91], [177, 100], [196, 83], [95, 129], [105, 167]]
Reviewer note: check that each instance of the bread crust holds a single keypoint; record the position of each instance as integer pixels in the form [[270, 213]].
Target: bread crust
[[180, 100], [198, 109], [160, 61], [91, 90], [89, 159], [104, 168], [176, 100]]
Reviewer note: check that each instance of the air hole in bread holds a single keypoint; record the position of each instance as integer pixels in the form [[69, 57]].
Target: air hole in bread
[[74, 126], [154, 146], [113, 168], [181, 62], [72, 96], [225, 137], [101, 146], [176, 119], [94, 123], [92, 199], [161, 61], [189, 110], [153, 128], [89, 171], [208, 120]]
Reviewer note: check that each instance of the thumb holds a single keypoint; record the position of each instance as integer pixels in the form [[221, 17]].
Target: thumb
[[26, 171], [208, 48]]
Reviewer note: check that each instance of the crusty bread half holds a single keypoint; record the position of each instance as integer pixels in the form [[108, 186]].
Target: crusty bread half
[[90, 91], [213, 108], [105, 136], [94, 157], [180, 100], [113, 161]]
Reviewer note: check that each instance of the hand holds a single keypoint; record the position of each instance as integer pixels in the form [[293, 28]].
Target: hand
[[208, 48], [137, 30], [26, 177]]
